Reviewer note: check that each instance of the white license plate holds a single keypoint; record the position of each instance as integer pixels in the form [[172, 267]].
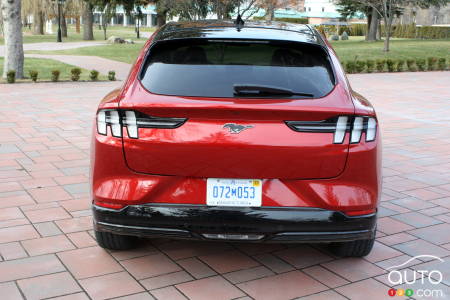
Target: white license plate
[[233, 192]]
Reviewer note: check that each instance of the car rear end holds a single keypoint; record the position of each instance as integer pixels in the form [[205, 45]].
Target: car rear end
[[218, 135]]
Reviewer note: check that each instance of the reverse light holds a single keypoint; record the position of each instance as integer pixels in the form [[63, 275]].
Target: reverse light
[[117, 119], [340, 125]]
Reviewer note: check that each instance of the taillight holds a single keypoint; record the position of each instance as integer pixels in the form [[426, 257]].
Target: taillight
[[340, 125], [117, 119]]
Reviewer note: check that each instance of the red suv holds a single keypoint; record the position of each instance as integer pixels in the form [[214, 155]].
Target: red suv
[[232, 132]]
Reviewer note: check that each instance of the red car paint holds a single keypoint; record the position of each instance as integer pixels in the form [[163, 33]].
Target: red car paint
[[298, 169]]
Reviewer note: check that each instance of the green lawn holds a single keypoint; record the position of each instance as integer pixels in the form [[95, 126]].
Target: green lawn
[[46, 66], [356, 47], [123, 32], [121, 52]]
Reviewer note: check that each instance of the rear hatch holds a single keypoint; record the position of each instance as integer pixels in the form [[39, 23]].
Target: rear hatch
[[218, 108]]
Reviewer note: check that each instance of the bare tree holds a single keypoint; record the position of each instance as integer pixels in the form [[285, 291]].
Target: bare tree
[[12, 26], [88, 21]]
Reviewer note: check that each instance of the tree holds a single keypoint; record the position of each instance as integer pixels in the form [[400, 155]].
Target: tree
[[351, 8], [88, 21], [12, 26], [386, 10], [37, 8], [108, 7]]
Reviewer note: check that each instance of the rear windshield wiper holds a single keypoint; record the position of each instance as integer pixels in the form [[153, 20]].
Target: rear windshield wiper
[[251, 90]]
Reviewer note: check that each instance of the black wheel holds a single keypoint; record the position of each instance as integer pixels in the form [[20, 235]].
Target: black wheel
[[115, 241], [352, 249]]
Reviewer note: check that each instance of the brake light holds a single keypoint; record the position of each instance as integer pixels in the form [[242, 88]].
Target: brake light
[[117, 119], [340, 125]]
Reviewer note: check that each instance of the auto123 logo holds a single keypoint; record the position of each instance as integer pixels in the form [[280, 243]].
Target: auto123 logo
[[417, 278]]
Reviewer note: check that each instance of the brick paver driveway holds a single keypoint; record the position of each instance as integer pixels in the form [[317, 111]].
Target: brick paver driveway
[[46, 243]]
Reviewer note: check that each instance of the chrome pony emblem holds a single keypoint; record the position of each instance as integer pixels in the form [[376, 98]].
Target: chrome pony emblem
[[236, 128]]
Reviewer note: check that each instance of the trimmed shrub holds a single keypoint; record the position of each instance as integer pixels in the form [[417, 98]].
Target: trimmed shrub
[[350, 67], [380, 63], [75, 74], [94, 75], [344, 36], [411, 63], [432, 63], [360, 66], [335, 37], [442, 64], [11, 76], [421, 64], [33, 75], [391, 65], [400, 65], [370, 65], [111, 75], [55, 75]]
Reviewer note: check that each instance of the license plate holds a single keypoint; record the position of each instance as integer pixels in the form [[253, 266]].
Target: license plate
[[233, 192]]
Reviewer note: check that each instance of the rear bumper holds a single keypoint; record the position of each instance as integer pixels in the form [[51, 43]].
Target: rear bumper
[[264, 224]]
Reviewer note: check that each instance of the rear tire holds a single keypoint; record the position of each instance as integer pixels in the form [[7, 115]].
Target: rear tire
[[115, 241], [357, 248]]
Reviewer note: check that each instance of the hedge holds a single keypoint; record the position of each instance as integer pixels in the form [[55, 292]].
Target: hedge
[[410, 31], [287, 20], [395, 65]]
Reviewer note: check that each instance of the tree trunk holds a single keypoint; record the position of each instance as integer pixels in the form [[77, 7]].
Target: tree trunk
[[63, 25], [369, 24], [270, 13], [12, 26], [88, 22], [160, 19], [373, 28], [379, 29], [387, 26], [104, 26], [38, 22], [77, 24]]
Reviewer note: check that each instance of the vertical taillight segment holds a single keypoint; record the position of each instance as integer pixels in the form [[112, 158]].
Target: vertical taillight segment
[[340, 125], [130, 122], [357, 129], [371, 131], [101, 122], [116, 119], [341, 129]]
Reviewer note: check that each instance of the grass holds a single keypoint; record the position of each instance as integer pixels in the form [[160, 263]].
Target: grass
[[45, 67], [121, 52], [356, 47], [123, 32]]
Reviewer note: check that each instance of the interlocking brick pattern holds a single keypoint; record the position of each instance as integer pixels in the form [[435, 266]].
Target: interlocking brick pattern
[[47, 247]]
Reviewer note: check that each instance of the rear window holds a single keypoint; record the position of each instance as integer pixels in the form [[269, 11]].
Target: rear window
[[213, 68]]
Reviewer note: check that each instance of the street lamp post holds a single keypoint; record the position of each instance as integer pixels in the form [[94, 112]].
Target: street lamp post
[[59, 36], [138, 16]]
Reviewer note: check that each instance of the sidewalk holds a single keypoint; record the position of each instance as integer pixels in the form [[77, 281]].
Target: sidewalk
[[55, 46], [47, 247]]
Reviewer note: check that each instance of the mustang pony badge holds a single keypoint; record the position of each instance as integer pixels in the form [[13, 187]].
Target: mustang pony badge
[[236, 128]]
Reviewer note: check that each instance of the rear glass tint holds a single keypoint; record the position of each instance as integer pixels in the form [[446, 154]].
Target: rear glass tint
[[212, 68]]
